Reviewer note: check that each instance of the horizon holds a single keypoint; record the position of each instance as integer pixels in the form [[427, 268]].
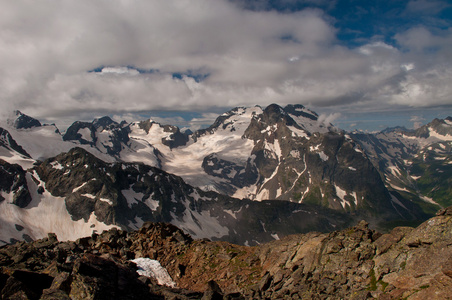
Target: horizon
[[198, 120]]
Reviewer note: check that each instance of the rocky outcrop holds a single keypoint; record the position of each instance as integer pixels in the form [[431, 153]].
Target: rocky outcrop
[[356, 263], [13, 182]]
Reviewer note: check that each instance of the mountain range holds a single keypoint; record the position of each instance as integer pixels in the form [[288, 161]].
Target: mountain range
[[255, 175]]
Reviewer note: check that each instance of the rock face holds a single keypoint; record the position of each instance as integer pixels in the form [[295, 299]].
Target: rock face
[[239, 176], [14, 183], [355, 263]]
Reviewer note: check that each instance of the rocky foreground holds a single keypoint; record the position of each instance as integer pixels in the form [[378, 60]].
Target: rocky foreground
[[356, 263]]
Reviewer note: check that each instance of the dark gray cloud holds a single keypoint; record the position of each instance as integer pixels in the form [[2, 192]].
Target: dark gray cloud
[[251, 57]]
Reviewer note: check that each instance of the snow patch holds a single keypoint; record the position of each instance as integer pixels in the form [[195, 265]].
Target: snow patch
[[85, 133], [275, 236], [323, 156], [278, 192], [57, 165], [358, 150], [153, 269], [399, 188], [314, 149], [152, 203], [394, 170], [298, 132], [340, 193], [81, 186], [428, 199], [132, 196], [295, 153], [439, 136], [106, 200], [101, 199], [231, 213]]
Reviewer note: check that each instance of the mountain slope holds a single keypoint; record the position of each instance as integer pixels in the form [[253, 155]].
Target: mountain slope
[[414, 163], [79, 193]]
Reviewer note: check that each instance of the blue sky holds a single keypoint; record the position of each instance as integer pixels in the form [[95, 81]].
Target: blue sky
[[362, 64]]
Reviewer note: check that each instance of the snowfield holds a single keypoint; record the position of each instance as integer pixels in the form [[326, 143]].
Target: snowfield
[[44, 214]]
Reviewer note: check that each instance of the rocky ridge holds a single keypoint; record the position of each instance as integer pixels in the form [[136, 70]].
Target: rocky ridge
[[355, 263]]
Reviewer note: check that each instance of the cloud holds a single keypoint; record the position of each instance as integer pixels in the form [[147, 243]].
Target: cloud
[[119, 70], [426, 6], [282, 5], [328, 119], [206, 119], [251, 57], [418, 121], [421, 40]]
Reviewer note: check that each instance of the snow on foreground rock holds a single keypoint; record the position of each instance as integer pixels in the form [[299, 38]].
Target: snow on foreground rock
[[153, 269]]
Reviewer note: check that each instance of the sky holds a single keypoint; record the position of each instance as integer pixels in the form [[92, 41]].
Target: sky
[[359, 64]]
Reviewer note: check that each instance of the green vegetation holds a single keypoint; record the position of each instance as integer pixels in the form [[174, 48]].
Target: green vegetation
[[425, 286], [435, 178], [314, 196], [383, 284], [373, 281]]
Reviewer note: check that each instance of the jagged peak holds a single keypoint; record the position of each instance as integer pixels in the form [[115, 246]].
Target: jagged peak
[[104, 122], [23, 121], [438, 128], [274, 114], [275, 109]]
